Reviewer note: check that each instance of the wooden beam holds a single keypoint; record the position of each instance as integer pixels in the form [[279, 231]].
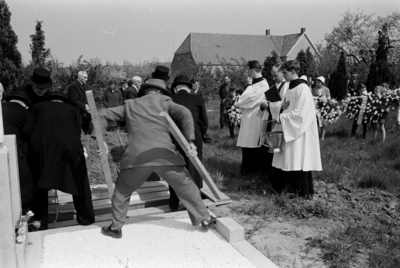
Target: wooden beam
[[195, 160], [100, 141]]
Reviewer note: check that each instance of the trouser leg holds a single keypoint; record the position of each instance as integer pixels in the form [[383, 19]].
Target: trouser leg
[[187, 191], [221, 115], [84, 210], [40, 207], [128, 181], [354, 128], [365, 128], [231, 133]]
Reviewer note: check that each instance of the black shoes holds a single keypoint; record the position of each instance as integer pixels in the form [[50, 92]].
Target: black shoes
[[206, 224], [117, 233]]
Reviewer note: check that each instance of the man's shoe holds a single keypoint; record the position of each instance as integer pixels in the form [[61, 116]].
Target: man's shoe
[[206, 224], [116, 233]]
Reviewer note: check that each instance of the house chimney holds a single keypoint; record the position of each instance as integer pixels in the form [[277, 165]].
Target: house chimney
[[302, 30], [268, 32]]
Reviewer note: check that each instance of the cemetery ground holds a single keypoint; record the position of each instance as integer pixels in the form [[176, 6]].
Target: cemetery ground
[[353, 220]]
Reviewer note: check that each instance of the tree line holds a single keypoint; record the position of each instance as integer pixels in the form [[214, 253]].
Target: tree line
[[361, 43]]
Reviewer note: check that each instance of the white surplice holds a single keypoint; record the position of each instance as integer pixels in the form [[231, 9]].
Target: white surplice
[[249, 104], [300, 148]]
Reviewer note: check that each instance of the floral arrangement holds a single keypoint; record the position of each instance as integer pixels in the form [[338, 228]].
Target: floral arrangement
[[235, 115], [328, 109], [22, 225], [376, 105], [352, 105]]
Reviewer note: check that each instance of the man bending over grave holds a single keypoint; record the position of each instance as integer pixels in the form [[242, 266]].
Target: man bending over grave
[[150, 149]]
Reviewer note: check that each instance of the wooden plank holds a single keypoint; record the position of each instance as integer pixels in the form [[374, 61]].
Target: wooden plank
[[100, 141], [195, 160], [103, 194]]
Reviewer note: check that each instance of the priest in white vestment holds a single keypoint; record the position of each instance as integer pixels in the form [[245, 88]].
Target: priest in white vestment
[[272, 109], [253, 154], [300, 149]]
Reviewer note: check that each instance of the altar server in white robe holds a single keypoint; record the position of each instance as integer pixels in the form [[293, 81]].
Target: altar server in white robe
[[300, 150], [253, 154]]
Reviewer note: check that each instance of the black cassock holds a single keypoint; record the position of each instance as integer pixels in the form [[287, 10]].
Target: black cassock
[[198, 110], [15, 117], [56, 159]]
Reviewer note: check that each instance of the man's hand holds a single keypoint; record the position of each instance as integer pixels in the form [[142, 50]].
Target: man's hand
[[192, 151], [249, 80], [285, 105], [100, 152], [87, 107]]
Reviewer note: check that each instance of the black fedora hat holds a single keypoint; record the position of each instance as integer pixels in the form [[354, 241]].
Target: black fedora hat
[[41, 78], [161, 72], [19, 95], [156, 84], [57, 95], [181, 80]]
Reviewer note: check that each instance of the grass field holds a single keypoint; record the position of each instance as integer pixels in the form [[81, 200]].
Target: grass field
[[365, 166]]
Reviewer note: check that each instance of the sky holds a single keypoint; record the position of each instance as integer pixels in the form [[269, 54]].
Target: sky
[[143, 30]]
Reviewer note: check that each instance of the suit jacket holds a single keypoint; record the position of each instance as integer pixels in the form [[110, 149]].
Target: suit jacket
[[28, 89], [77, 95], [223, 91], [131, 92], [200, 93], [149, 141], [14, 119], [196, 106]]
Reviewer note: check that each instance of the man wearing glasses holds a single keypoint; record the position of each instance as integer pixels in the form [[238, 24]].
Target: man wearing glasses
[[77, 97], [38, 86]]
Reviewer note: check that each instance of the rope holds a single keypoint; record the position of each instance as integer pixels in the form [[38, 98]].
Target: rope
[[58, 207], [120, 140]]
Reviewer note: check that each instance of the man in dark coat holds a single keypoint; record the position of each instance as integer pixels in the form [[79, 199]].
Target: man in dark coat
[[56, 159], [196, 90], [182, 87], [77, 97], [37, 89], [150, 149], [15, 116], [133, 87], [223, 92]]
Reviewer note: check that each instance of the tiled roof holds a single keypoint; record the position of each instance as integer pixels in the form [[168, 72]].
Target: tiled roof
[[205, 47], [288, 42]]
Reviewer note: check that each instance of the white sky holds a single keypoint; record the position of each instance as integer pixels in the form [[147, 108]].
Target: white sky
[[148, 29]]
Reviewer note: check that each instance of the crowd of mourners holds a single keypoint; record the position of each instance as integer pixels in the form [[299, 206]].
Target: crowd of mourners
[[51, 124]]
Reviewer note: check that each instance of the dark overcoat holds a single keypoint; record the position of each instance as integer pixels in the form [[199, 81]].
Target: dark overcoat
[[196, 106], [55, 152], [77, 95], [15, 117], [131, 92]]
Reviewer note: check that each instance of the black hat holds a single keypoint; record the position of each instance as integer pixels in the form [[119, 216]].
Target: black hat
[[156, 84], [181, 80], [161, 72], [19, 95], [130, 82], [57, 95], [41, 78]]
